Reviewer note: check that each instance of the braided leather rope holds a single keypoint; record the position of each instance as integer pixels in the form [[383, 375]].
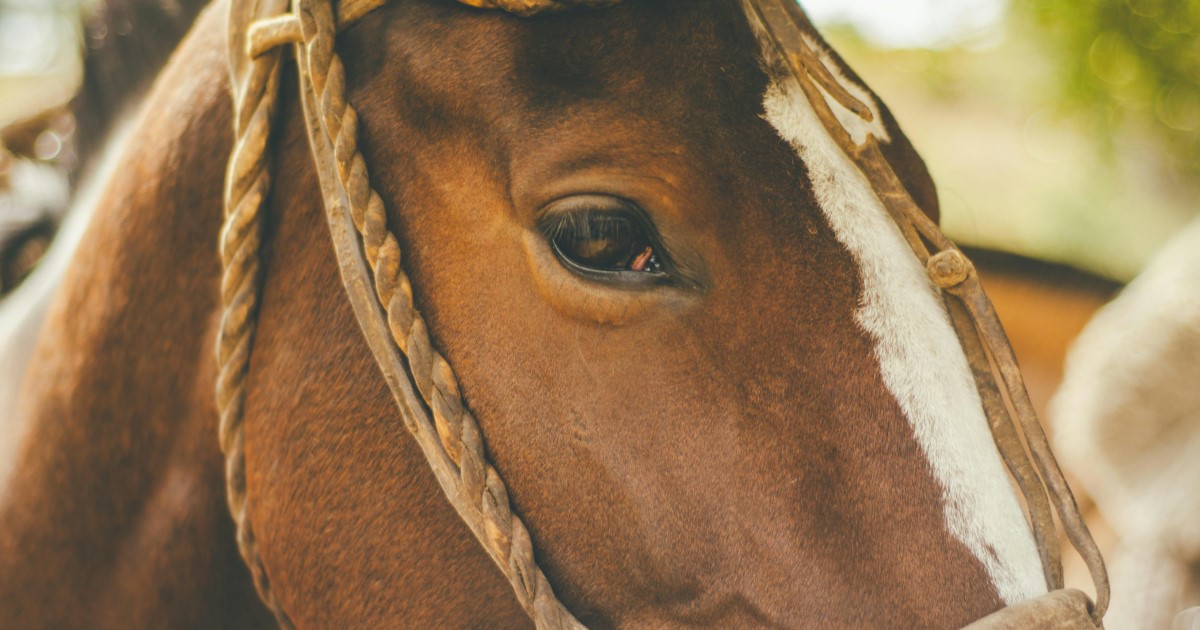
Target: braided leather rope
[[255, 84]]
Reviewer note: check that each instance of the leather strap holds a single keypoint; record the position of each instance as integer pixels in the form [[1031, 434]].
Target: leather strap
[[1066, 609]]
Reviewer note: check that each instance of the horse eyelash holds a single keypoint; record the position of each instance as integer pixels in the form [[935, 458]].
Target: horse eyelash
[[591, 225]]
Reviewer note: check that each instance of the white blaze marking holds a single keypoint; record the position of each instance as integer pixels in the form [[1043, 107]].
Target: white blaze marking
[[22, 312], [920, 358]]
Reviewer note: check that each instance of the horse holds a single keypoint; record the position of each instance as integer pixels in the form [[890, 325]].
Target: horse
[[126, 44], [717, 384]]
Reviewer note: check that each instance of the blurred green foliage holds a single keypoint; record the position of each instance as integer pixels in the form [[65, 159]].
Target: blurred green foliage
[[1130, 62]]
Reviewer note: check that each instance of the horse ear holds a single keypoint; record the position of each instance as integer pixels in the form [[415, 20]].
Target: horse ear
[[898, 150]]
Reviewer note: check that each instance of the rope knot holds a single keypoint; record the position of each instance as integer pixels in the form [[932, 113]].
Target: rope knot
[[948, 269]]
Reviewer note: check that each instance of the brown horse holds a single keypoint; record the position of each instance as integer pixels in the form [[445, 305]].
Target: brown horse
[[720, 389]]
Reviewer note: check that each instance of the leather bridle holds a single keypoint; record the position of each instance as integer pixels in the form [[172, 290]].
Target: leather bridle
[[423, 383]]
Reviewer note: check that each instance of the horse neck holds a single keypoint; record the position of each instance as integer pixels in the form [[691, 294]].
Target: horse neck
[[127, 42], [115, 515]]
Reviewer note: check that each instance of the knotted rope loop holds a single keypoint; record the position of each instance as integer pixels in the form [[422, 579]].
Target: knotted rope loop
[[949, 269]]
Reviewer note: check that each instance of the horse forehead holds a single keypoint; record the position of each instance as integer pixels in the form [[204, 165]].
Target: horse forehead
[[693, 49], [684, 64], [678, 47]]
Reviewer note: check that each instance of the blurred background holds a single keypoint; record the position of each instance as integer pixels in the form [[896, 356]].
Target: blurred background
[[40, 60], [1063, 130]]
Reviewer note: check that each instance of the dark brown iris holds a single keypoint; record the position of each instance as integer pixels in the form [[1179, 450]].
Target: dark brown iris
[[604, 238], [609, 243], [599, 234]]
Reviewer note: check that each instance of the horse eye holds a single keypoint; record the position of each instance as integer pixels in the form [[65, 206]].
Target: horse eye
[[603, 238], [606, 243]]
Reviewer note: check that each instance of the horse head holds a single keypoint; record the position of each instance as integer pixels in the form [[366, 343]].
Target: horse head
[[720, 389], [706, 372]]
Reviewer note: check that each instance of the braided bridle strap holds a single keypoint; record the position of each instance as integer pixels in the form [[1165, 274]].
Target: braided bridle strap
[[369, 257]]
